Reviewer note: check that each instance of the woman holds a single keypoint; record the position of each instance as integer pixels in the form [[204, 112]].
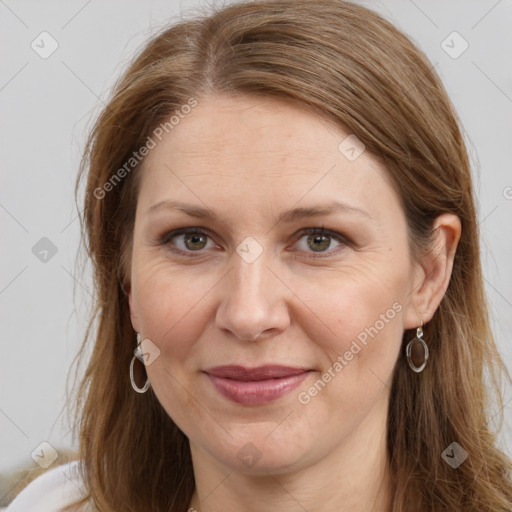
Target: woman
[[280, 215]]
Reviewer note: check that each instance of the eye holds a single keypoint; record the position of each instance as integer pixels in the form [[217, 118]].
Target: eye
[[320, 240], [187, 240], [309, 240]]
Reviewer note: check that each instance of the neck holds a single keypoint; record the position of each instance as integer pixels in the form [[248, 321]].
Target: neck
[[354, 477]]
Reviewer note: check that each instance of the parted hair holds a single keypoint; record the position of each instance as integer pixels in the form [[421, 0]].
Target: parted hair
[[350, 65]]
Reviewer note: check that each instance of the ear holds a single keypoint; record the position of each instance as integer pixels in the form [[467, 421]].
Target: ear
[[432, 274], [133, 312]]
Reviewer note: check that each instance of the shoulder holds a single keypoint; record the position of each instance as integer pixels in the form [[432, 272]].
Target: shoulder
[[50, 491]]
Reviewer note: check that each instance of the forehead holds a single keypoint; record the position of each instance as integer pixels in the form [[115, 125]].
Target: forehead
[[243, 127], [258, 151]]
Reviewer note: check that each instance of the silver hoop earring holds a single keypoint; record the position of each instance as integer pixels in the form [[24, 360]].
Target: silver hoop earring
[[137, 353], [417, 352]]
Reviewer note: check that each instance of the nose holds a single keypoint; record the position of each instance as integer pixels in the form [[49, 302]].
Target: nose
[[253, 300]]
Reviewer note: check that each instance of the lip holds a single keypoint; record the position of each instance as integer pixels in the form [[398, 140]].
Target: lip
[[255, 386]]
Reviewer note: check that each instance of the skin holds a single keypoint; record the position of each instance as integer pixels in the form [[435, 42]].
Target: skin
[[250, 159]]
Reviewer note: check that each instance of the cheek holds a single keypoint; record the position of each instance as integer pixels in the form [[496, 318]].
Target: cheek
[[170, 303], [355, 318], [333, 309]]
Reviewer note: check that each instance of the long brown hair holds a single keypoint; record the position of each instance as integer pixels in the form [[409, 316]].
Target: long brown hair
[[348, 64]]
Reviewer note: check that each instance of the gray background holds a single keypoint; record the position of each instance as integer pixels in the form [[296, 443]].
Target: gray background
[[46, 106]]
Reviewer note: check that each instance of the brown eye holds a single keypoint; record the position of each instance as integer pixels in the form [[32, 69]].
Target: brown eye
[[312, 240], [318, 242], [195, 241], [187, 240]]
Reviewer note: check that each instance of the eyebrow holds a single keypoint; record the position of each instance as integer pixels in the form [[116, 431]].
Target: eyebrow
[[289, 216]]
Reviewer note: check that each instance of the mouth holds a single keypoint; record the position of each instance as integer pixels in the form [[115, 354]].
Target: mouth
[[255, 386]]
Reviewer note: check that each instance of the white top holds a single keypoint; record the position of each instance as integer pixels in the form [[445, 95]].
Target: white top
[[51, 491]]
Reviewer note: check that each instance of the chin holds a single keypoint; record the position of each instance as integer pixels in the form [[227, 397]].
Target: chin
[[258, 453]]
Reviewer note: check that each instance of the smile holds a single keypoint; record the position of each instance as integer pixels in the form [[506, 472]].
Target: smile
[[255, 386]]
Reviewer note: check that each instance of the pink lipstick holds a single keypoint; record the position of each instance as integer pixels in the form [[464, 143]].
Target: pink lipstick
[[255, 386]]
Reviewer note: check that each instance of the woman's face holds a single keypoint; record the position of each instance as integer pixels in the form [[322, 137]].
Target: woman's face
[[318, 317]]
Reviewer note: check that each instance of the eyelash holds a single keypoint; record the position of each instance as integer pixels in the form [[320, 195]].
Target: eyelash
[[168, 236]]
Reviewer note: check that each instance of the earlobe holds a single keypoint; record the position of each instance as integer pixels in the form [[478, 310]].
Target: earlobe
[[434, 271], [133, 315]]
